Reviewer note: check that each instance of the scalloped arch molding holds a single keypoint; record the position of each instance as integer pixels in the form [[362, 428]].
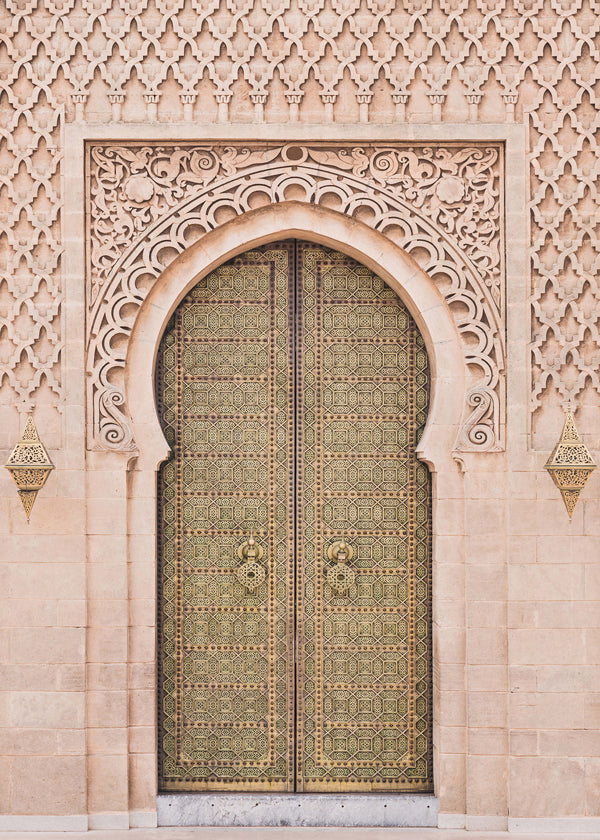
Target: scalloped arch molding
[[441, 204]]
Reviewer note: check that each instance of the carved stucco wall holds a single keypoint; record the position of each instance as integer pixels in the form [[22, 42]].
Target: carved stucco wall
[[312, 61], [442, 204]]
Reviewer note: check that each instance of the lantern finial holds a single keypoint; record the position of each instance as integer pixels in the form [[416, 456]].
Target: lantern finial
[[29, 465], [570, 464]]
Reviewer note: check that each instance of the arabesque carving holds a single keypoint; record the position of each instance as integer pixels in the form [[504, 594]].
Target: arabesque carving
[[280, 61], [441, 204]]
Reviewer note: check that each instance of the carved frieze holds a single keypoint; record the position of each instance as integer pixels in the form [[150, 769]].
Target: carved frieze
[[443, 204], [311, 62]]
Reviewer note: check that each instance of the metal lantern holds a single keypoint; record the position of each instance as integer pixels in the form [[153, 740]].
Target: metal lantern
[[570, 464], [29, 465]]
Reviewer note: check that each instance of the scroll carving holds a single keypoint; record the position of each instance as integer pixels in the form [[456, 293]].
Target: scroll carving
[[443, 205]]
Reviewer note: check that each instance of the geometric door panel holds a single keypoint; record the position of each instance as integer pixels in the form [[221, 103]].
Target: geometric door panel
[[226, 404], [294, 531], [364, 651]]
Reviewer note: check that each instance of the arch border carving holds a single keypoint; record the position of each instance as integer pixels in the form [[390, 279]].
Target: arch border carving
[[282, 221], [442, 204]]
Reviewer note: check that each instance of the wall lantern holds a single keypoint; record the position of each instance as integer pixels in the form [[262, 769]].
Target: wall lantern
[[570, 464], [29, 465]]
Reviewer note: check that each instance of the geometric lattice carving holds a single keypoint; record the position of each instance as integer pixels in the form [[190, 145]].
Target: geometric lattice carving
[[570, 464], [29, 464], [213, 62], [441, 204]]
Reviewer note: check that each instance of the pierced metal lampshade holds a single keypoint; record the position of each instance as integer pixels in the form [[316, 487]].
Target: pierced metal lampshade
[[570, 464], [29, 465]]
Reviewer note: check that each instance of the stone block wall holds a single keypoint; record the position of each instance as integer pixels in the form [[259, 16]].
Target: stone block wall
[[517, 587]]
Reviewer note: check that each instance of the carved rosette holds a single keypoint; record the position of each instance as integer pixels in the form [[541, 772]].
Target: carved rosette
[[442, 204]]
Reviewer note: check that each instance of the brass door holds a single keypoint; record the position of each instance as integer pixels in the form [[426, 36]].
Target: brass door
[[294, 532]]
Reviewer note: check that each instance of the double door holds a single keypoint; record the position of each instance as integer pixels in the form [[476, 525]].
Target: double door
[[294, 532]]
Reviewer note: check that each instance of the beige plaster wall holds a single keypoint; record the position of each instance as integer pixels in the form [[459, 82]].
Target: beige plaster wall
[[516, 586]]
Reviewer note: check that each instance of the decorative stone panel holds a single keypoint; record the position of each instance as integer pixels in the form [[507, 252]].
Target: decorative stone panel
[[311, 61], [443, 204]]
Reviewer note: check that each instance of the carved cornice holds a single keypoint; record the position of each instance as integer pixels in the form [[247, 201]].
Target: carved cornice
[[442, 204]]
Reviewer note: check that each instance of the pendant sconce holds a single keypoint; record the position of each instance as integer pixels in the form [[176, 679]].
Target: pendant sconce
[[570, 464], [29, 465]]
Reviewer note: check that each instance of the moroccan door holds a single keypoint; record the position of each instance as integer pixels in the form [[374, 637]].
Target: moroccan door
[[294, 532]]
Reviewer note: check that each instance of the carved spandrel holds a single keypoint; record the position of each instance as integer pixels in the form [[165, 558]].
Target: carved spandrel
[[417, 204]]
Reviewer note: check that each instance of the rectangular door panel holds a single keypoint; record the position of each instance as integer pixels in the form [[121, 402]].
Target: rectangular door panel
[[364, 702], [226, 698]]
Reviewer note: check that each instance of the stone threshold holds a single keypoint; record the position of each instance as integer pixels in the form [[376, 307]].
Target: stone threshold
[[297, 809]]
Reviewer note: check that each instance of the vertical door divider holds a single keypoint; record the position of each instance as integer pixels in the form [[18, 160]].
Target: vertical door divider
[[296, 473]]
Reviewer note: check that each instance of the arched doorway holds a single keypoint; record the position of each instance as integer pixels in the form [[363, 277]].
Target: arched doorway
[[294, 531]]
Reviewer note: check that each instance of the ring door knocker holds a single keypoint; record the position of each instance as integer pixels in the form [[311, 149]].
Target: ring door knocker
[[251, 573], [339, 576]]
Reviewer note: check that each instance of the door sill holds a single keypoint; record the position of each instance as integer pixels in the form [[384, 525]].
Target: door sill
[[297, 809]]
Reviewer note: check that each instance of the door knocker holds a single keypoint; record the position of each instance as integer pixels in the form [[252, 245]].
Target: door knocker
[[339, 576], [251, 573]]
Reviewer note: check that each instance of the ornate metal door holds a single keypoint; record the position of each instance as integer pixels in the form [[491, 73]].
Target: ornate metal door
[[294, 532]]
